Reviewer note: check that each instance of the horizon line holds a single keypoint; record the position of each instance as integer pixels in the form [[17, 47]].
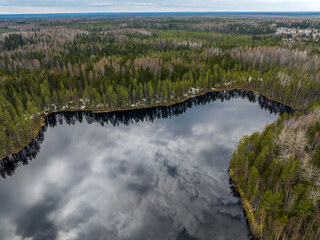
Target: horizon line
[[137, 12]]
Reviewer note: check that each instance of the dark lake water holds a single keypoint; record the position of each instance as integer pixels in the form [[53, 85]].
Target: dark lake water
[[159, 173]]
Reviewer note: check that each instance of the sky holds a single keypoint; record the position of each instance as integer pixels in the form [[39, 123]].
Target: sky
[[79, 6]]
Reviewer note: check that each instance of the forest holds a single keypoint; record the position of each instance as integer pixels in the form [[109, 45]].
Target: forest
[[105, 64], [278, 173]]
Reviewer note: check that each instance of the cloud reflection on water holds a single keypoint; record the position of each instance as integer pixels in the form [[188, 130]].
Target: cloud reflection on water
[[162, 180]]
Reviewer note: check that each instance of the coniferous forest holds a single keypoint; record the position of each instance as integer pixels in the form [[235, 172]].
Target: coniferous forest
[[104, 64]]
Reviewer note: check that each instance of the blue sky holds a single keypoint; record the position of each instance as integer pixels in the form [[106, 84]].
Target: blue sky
[[75, 6]]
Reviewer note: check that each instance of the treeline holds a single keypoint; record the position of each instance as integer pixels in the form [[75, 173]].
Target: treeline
[[278, 171], [246, 24]]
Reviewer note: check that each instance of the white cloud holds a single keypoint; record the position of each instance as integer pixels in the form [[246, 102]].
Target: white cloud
[[35, 10], [73, 6], [101, 4], [145, 4]]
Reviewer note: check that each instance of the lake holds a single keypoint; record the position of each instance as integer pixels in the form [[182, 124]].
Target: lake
[[158, 173]]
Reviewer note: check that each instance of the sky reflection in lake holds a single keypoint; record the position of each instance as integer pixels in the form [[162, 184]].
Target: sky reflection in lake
[[165, 179]]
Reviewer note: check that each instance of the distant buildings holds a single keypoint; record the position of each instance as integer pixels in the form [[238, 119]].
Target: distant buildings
[[298, 34]]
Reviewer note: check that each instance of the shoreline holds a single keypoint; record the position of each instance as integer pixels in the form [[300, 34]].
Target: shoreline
[[247, 207], [42, 118]]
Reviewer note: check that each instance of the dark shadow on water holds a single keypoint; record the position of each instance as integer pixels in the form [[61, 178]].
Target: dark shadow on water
[[236, 194], [184, 235]]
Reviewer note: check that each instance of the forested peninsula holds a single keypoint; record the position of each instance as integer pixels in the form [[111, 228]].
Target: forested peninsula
[[106, 64]]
